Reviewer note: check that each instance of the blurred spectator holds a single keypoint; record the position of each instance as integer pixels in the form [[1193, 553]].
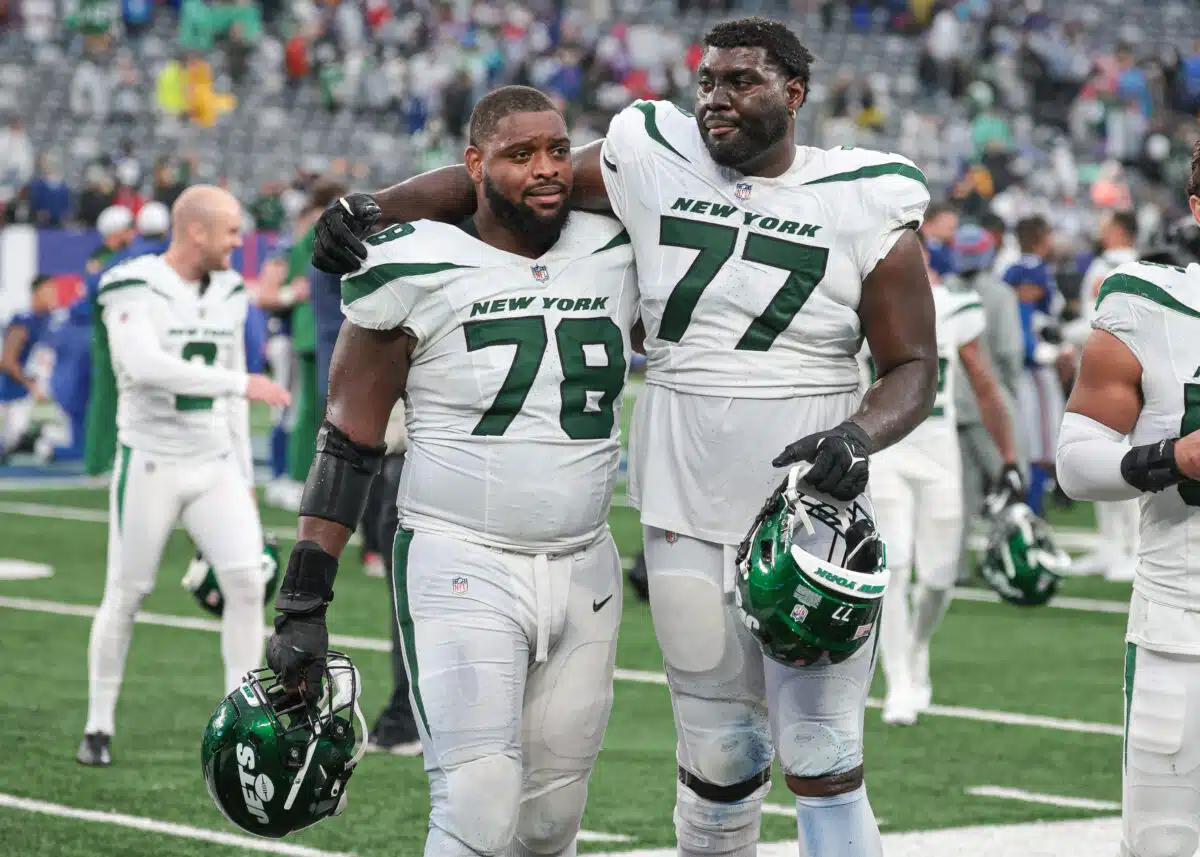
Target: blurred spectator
[[16, 159], [49, 197], [870, 117], [457, 102], [137, 16], [937, 231], [205, 105], [129, 166], [267, 208], [98, 194], [170, 179], [126, 87], [91, 91], [170, 89]]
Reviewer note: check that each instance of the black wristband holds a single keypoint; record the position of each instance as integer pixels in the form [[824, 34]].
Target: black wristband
[[308, 582], [857, 432], [340, 478], [1151, 467]]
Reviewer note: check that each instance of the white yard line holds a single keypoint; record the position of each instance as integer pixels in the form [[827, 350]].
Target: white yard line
[[194, 623], [593, 836], [1061, 602], [1048, 800], [62, 483], [166, 828], [1038, 839]]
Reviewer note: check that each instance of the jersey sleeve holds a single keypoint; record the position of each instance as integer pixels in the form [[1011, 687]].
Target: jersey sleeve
[[1121, 314], [405, 265], [634, 135], [967, 320], [896, 195], [122, 285]]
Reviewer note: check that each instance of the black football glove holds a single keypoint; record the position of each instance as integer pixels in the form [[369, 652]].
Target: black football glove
[[839, 460], [338, 246], [1007, 488], [297, 651]]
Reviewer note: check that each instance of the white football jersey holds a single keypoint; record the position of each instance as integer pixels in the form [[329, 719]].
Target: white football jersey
[[515, 381], [1155, 311], [750, 292], [960, 320], [163, 407]]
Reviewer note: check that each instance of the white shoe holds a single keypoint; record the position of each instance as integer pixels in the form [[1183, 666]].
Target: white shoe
[[283, 494], [373, 565], [898, 709]]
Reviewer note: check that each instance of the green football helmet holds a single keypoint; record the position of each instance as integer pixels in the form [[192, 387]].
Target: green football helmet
[[811, 575], [1022, 562], [201, 580], [275, 764]]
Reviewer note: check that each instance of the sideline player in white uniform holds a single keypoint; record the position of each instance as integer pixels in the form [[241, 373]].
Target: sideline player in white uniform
[[1118, 524], [175, 326], [917, 492], [762, 265], [510, 340], [1139, 379]]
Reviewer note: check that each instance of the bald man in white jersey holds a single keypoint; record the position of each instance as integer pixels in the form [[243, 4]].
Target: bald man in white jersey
[[175, 327]]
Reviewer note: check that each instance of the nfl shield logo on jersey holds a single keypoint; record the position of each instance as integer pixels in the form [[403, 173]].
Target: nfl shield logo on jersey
[[540, 273], [742, 190], [459, 585]]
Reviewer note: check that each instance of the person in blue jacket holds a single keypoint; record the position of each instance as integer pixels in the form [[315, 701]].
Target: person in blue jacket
[[19, 391]]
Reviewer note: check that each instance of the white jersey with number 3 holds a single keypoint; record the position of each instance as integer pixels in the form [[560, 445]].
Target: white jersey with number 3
[[515, 381], [750, 295], [1155, 311], [179, 359]]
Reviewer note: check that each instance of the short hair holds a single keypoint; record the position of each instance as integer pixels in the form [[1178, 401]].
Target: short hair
[[504, 102], [776, 39], [1127, 220], [993, 223], [937, 209], [1030, 231], [1193, 187]]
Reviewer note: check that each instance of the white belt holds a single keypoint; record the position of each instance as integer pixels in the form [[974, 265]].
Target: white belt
[[541, 595]]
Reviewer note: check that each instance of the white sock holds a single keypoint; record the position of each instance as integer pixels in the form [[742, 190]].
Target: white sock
[[242, 623], [705, 828], [895, 633], [839, 826], [112, 630], [929, 606]]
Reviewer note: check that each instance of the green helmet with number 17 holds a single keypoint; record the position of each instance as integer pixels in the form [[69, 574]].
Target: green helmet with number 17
[[811, 576], [1021, 562]]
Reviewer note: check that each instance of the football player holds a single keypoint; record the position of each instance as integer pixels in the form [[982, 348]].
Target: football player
[[509, 338], [174, 327], [762, 265], [1138, 380], [917, 491]]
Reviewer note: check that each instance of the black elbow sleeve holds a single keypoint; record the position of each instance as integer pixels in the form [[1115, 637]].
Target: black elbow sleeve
[[1151, 467], [340, 477]]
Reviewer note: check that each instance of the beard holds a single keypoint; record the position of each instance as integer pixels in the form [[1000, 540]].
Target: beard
[[520, 219], [754, 137]]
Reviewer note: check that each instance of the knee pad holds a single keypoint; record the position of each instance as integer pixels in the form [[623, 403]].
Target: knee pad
[[688, 611], [481, 802], [728, 757], [810, 751], [725, 822], [1163, 837], [549, 823]]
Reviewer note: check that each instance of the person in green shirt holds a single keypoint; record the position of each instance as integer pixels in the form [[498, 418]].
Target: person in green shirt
[[306, 407]]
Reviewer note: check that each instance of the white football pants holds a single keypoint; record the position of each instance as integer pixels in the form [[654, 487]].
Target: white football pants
[[734, 708], [510, 661], [149, 495], [1160, 800], [918, 500]]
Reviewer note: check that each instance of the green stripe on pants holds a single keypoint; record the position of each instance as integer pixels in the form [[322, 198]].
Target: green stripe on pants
[[404, 618], [100, 435], [302, 441], [1130, 667], [122, 480]]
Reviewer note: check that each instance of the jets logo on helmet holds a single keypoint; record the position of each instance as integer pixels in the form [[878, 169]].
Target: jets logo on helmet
[[274, 764], [201, 579], [1022, 563], [811, 575]]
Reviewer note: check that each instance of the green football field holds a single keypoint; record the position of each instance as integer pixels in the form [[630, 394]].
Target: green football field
[[1026, 726]]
